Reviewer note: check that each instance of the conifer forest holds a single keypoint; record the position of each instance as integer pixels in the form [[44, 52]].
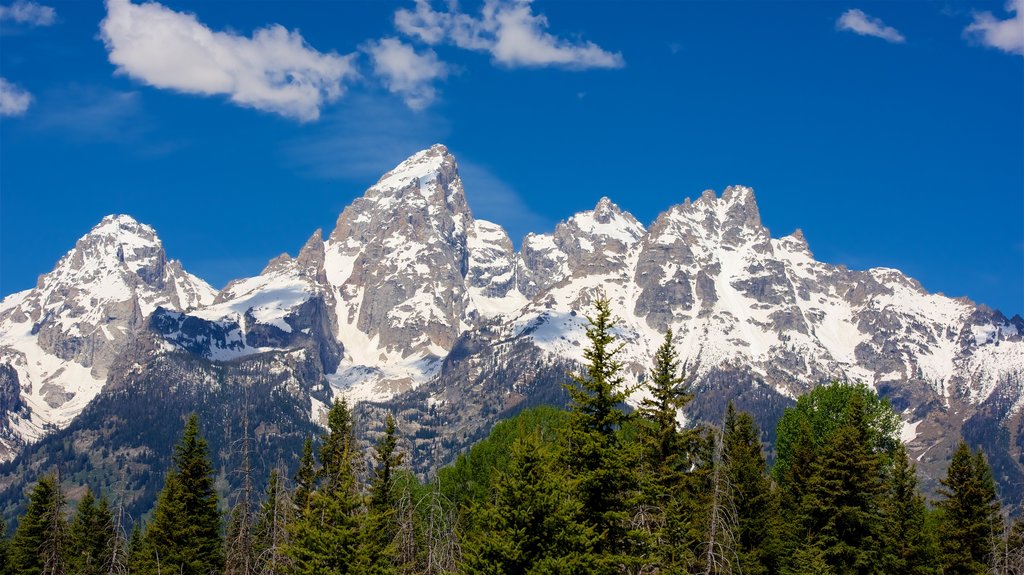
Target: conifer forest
[[596, 488]]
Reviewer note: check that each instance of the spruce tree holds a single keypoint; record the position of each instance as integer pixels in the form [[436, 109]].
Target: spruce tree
[[593, 452], [531, 526], [6, 566], [661, 410], [971, 520], [841, 505], [92, 537], [910, 548], [185, 533], [664, 460], [376, 554], [39, 543], [756, 503], [325, 536], [305, 476]]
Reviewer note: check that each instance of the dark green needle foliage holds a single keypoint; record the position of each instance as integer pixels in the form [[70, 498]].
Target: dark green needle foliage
[[184, 535], [971, 520]]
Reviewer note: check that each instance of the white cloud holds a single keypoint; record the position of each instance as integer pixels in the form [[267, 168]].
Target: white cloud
[[858, 22], [1006, 35], [405, 72], [14, 101], [509, 31], [29, 13], [275, 70]]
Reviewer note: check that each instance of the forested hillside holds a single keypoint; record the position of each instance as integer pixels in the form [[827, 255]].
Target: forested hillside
[[597, 488]]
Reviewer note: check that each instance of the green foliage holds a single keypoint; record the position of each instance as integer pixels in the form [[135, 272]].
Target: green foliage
[[325, 536], [469, 479], [757, 512], [596, 458], [6, 567], [39, 542], [911, 546], [532, 525], [971, 519], [819, 414], [92, 537], [185, 533]]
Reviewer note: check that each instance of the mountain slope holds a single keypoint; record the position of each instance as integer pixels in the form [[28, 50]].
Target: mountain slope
[[412, 305], [59, 338]]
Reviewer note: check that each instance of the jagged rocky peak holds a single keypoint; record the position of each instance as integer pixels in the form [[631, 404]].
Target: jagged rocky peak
[[590, 242], [398, 258], [59, 339], [118, 273]]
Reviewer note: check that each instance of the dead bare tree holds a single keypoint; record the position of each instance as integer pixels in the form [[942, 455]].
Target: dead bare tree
[[270, 530], [239, 556], [117, 562], [443, 549], [719, 546], [1007, 557]]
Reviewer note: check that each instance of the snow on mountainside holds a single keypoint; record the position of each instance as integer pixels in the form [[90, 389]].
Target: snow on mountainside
[[60, 337], [409, 284]]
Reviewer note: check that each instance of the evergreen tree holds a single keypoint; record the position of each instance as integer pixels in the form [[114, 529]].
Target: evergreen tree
[[756, 503], [970, 514], [6, 566], [841, 504], [593, 452], [910, 547], [532, 526], [377, 548], [661, 410], [184, 536], [664, 460], [325, 536], [305, 476], [39, 542], [92, 537]]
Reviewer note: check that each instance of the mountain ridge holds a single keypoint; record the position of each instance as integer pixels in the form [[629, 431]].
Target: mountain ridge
[[412, 304]]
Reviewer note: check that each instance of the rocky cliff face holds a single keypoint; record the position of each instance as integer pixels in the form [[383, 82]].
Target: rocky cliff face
[[58, 339], [412, 305]]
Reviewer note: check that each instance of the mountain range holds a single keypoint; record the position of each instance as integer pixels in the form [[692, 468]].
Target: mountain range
[[413, 306]]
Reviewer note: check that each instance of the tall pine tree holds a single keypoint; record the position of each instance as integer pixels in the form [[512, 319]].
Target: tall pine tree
[[376, 554], [593, 451], [756, 503], [185, 534], [92, 537], [39, 543], [970, 520], [910, 547], [325, 536]]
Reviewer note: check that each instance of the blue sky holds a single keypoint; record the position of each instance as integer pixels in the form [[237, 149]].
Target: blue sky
[[892, 133]]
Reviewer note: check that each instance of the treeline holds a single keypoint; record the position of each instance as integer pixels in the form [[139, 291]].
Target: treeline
[[595, 489]]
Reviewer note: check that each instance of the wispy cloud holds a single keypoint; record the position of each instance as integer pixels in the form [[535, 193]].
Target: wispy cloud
[[28, 13], [491, 198], [1006, 35], [406, 72], [858, 22], [509, 31], [14, 101], [90, 114], [364, 137], [275, 70], [360, 136]]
